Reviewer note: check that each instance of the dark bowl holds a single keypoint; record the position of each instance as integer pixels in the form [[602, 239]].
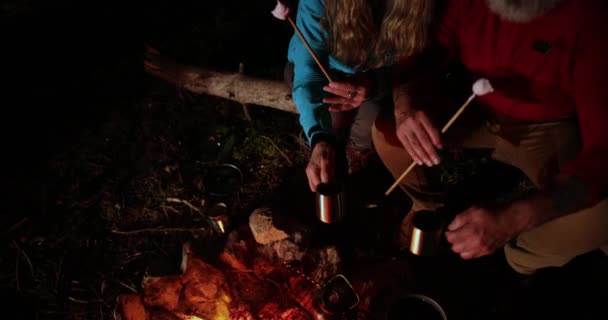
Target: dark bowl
[[415, 307]]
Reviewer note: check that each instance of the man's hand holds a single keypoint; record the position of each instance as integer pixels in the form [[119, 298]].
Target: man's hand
[[321, 165], [349, 94], [477, 232], [419, 136]]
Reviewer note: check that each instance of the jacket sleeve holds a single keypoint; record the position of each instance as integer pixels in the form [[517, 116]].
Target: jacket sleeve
[[308, 78], [591, 97]]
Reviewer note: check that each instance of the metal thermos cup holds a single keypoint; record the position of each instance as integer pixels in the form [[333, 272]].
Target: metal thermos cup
[[426, 233], [330, 203]]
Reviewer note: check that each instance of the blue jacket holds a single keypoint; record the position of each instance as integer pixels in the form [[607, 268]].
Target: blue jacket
[[309, 80]]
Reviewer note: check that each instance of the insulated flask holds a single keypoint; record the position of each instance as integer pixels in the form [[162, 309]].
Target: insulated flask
[[330, 203]]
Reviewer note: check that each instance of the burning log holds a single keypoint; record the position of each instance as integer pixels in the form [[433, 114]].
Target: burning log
[[233, 86]]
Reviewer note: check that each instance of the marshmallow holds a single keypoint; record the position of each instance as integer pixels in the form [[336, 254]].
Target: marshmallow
[[281, 11], [482, 87]]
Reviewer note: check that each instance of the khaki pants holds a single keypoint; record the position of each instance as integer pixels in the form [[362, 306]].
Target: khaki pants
[[539, 150]]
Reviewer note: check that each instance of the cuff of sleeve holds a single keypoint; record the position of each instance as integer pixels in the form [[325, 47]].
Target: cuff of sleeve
[[322, 137]]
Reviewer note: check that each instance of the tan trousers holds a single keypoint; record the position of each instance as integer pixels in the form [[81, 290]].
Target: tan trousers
[[539, 150]]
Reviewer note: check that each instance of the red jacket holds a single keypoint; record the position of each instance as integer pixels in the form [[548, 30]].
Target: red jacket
[[553, 67]]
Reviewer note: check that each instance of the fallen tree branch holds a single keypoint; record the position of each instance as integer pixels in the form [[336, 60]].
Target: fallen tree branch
[[233, 86]]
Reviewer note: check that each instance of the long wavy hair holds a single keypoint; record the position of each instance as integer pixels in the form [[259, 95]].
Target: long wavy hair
[[374, 33]]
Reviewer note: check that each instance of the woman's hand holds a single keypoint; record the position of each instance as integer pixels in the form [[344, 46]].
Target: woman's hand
[[320, 165], [419, 136], [349, 94]]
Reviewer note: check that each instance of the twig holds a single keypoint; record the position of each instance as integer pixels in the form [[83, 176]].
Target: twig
[[245, 107], [84, 301], [170, 208], [127, 286], [16, 225], [177, 200], [115, 311], [233, 262], [20, 252], [278, 149], [164, 230], [17, 281], [58, 274]]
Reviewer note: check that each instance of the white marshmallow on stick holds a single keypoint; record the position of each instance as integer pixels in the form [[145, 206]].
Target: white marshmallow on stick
[[481, 87], [281, 11]]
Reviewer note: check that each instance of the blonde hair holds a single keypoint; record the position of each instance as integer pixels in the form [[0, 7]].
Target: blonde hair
[[361, 38]]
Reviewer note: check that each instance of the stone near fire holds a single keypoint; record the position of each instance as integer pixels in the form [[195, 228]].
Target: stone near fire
[[263, 228], [162, 292], [132, 307], [326, 262], [281, 251]]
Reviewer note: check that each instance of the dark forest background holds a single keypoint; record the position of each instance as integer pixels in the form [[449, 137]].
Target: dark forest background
[[81, 130]]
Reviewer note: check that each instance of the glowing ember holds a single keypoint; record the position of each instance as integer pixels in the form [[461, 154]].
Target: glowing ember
[[220, 225], [221, 307]]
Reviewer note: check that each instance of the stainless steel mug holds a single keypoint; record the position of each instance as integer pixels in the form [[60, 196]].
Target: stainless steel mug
[[218, 217], [426, 232], [330, 203]]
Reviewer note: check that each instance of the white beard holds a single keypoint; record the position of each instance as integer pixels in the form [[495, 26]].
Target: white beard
[[521, 10]]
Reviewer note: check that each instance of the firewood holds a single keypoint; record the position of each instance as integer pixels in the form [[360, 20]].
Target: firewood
[[233, 86]]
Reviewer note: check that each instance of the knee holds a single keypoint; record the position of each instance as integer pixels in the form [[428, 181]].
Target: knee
[[528, 260], [383, 130]]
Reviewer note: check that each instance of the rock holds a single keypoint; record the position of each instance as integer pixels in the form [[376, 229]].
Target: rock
[[287, 250], [162, 292], [281, 251], [132, 307], [326, 263], [262, 227]]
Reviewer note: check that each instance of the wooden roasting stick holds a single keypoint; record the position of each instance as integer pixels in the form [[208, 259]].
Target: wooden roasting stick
[[282, 12], [312, 53], [480, 88]]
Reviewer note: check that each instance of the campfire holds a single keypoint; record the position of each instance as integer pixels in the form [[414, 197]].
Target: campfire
[[262, 273]]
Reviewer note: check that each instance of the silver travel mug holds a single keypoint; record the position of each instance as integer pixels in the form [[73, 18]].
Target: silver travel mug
[[330, 203], [426, 233]]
